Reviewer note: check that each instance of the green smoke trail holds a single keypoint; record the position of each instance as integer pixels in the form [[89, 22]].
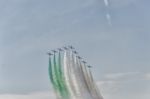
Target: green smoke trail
[[56, 77], [63, 87], [52, 77], [50, 71]]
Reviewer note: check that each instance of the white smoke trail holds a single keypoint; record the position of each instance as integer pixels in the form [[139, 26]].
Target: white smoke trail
[[94, 86], [66, 75], [70, 73], [78, 79], [106, 3], [83, 81], [91, 85], [81, 76], [87, 81], [108, 16], [74, 75]]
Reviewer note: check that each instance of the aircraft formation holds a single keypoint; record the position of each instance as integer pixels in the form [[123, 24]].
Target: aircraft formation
[[70, 75], [70, 47]]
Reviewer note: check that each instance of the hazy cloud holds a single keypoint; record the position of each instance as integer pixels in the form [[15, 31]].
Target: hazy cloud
[[147, 76], [37, 95], [116, 76]]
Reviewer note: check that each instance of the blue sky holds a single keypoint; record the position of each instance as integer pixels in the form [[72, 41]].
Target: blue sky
[[119, 53]]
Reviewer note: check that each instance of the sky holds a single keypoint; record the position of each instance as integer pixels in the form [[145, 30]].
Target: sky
[[119, 52]]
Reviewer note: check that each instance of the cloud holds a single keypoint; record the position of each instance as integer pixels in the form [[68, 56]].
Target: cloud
[[117, 76], [126, 85], [147, 76], [114, 89], [37, 95], [108, 86]]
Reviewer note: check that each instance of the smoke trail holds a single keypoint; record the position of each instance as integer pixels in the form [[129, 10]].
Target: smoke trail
[[56, 78], [74, 75], [50, 71], [66, 75], [52, 78], [70, 78], [94, 87], [83, 68], [106, 3], [64, 89], [71, 74], [91, 85], [109, 19], [108, 16], [81, 76]]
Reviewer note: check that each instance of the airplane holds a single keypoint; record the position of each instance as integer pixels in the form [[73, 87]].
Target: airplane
[[60, 49], [84, 62], [65, 48], [75, 52], [79, 57], [54, 51], [89, 66], [71, 47], [49, 54]]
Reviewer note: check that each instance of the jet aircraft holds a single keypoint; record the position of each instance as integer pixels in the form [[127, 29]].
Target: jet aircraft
[[89, 66], [60, 49], [79, 57], [84, 62], [54, 51], [50, 54], [65, 48], [71, 47], [75, 52]]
